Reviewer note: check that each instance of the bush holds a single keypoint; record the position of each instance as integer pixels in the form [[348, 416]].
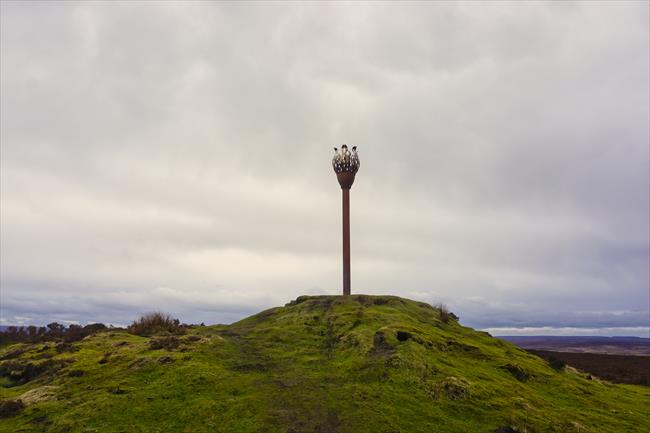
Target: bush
[[156, 323], [53, 332], [446, 316], [556, 363]]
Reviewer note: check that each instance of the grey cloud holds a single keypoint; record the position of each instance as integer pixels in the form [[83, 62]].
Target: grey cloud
[[504, 153]]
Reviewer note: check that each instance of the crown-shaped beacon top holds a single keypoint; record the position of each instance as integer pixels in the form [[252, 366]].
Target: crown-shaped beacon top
[[346, 161]]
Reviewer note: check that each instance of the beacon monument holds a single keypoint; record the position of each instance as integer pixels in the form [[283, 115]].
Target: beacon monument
[[346, 164]]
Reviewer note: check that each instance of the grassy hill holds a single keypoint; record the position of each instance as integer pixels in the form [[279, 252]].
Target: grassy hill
[[319, 364]]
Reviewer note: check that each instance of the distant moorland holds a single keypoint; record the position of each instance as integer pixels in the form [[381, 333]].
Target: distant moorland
[[605, 345]]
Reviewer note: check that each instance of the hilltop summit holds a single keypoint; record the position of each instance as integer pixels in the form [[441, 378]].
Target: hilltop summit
[[319, 364]]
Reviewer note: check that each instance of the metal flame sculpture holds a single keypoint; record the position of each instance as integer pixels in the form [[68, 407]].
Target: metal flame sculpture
[[346, 161]]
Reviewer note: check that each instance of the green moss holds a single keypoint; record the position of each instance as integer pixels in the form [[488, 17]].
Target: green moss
[[319, 364]]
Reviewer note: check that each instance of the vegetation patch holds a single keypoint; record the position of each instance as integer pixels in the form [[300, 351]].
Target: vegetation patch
[[506, 429], [464, 348], [156, 323], [381, 346], [519, 373], [10, 408], [556, 363], [40, 394], [445, 315], [105, 358], [65, 347], [167, 343], [453, 388], [165, 360], [10, 354], [19, 372]]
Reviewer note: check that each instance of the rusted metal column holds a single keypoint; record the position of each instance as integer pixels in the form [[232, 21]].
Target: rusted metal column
[[346, 241], [346, 164]]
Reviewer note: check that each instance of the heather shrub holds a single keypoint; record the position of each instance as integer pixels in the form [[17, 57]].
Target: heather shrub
[[556, 363], [446, 316], [156, 323]]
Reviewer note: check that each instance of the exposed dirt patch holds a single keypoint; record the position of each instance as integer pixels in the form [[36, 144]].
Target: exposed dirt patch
[[140, 362], [358, 318], [167, 343], [324, 304], [20, 372], [505, 429], [331, 339], [250, 367], [331, 423], [466, 349], [403, 335], [65, 347], [10, 408], [364, 300], [519, 373], [380, 345]]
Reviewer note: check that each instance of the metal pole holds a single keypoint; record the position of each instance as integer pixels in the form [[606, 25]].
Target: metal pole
[[346, 241], [346, 164]]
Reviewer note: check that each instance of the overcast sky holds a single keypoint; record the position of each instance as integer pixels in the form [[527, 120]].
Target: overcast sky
[[177, 156]]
